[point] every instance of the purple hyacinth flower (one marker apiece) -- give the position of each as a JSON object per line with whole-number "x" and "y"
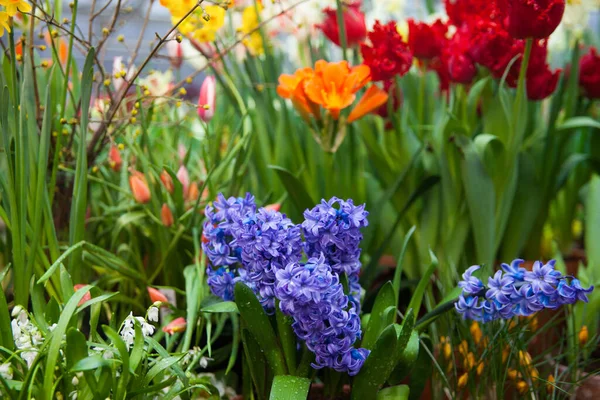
{"x": 580, "y": 292}
{"x": 514, "y": 270}
{"x": 500, "y": 288}
{"x": 471, "y": 284}
{"x": 469, "y": 308}
{"x": 543, "y": 278}
{"x": 525, "y": 301}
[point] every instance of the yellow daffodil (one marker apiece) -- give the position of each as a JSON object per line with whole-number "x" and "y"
{"x": 202, "y": 25}
{"x": 12, "y": 6}
{"x": 250, "y": 23}
{"x": 4, "y": 26}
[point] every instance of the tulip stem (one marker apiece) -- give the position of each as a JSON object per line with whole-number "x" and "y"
{"x": 342, "y": 28}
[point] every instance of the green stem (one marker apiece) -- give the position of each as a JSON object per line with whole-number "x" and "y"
{"x": 421, "y": 101}
{"x": 521, "y": 88}
{"x": 342, "y": 28}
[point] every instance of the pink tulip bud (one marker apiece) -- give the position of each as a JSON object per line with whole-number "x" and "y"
{"x": 184, "y": 178}
{"x": 177, "y": 325}
{"x": 139, "y": 188}
{"x": 156, "y": 295}
{"x": 175, "y": 52}
{"x": 207, "y": 99}
{"x": 274, "y": 207}
{"x": 86, "y": 297}
{"x": 166, "y": 216}
{"x": 182, "y": 151}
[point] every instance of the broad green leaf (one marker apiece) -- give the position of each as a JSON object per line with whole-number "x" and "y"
{"x": 422, "y": 370}
{"x": 287, "y": 337}
{"x": 286, "y": 387}
{"x": 406, "y": 361}
{"x": 404, "y": 331}
{"x": 255, "y": 361}
{"x": 90, "y": 363}
{"x": 222, "y": 307}
{"x": 76, "y": 348}
{"x": 400, "y": 392}
{"x": 235, "y": 343}
{"x": 160, "y": 367}
{"x": 259, "y": 326}
{"x": 579, "y": 122}
{"x": 193, "y": 284}
{"x": 592, "y": 223}
{"x": 386, "y": 297}
{"x": 6, "y": 336}
{"x": 377, "y": 367}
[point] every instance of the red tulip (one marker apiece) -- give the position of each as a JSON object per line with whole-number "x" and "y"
{"x": 86, "y": 297}
{"x": 139, "y": 188}
{"x": 207, "y": 99}
{"x": 534, "y": 18}
{"x": 177, "y": 325}
{"x": 387, "y": 55}
{"x": 589, "y": 74}
{"x": 157, "y": 296}
{"x": 541, "y": 83}
{"x": 354, "y": 24}
{"x": 114, "y": 158}
{"x": 166, "y": 216}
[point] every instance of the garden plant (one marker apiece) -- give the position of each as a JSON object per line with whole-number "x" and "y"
{"x": 299, "y": 199}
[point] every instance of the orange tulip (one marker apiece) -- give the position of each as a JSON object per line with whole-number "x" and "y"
{"x": 156, "y": 295}
{"x": 177, "y": 325}
{"x": 373, "y": 98}
{"x": 274, "y": 207}
{"x": 166, "y": 216}
{"x": 114, "y": 158}
{"x": 86, "y": 297}
{"x": 167, "y": 181}
{"x": 193, "y": 192}
{"x": 292, "y": 87}
{"x": 139, "y": 187}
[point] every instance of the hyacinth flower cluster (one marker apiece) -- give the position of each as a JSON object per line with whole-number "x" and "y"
{"x": 335, "y": 233}
{"x": 263, "y": 249}
{"x": 516, "y": 291}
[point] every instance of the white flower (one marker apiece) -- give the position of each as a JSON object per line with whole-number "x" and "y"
{"x": 26, "y": 335}
{"x": 6, "y": 371}
{"x": 75, "y": 381}
{"x": 128, "y": 330}
{"x": 204, "y": 362}
{"x": 153, "y": 314}
{"x": 16, "y": 311}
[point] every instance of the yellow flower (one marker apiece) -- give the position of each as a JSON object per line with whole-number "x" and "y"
{"x": 250, "y": 23}
{"x": 462, "y": 380}
{"x": 198, "y": 25}
{"x": 4, "y": 23}
{"x": 13, "y": 5}
{"x": 476, "y": 332}
{"x": 583, "y": 335}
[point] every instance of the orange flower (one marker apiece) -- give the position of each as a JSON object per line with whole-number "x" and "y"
{"x": 166, "y": 216}
{"x": 139, "y": 187}
{"x": 332, "y": 86}
{"x": 292, "y": 87}
{"x": 274, "y": 207}
{"x": 177, "y": 325}
{"x": 114, "y": 158}
{"x": 157, "y": 295}
{"x": 167, "y": 181}
{"x": 86, "y": 297}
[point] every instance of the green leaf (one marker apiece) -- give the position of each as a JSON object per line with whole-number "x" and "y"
{"x": 386, "y": 297}
{"x": 260, "y": 327}
{"x": 405, "y": 331}
{"x": 286, "y": 387}
{"x": 76, "y": 348}
{"x": 287, "y": 337}
{"x": 579, "y": 122}
{"x": 481, "y": 200}
{"x": 57, "y": 337}
{"x": 119, "y": 344}
{"x": 235, "y": 344}
{"x": 222, "y": 307}
{"x": 193, "y": 284}
{"x": 80, "y": 187}
{"x": 406, "y": 361}
{"x": 6, "y": 336}
{"x": 592, "y": 222}
{"x": 90, "y": 363}
{"x": 377, "y": 367}
{"x": 422, "y": 371}
{"x": 399, "y": 263}
{"x": 59, "y": 261}
{"x": 295, "y": 188}
{"x": 400, "y": 392}
{"x": 255, "y": 361}
{"x": 161, "y": 366}
{"x": 417, "y": 297}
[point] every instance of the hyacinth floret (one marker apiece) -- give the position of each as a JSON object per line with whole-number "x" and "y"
{"x": 313, "y": 296}
{"x": 515, "y": 291}
{"x": 268, "y": 241}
